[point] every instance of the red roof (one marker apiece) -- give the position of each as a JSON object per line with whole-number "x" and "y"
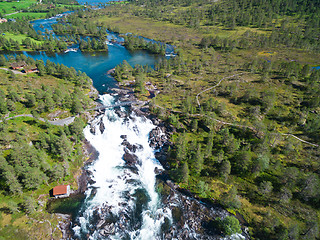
{"x": 58, "y": 190}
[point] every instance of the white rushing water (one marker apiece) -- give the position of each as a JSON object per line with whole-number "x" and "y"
{"x": 117, "y": 186}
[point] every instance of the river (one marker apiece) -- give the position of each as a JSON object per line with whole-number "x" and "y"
{"x": 122, "y": 201}
{"x": 95, "y": 65}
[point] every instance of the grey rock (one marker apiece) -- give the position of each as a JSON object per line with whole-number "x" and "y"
{"x": 101, "y": 126}
{"x": 130, "y": 159}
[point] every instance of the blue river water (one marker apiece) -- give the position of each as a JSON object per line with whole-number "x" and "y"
{"x": 114, "y": 207}
{"x": 95, "y": 65}
{"x": 93, "y": 2}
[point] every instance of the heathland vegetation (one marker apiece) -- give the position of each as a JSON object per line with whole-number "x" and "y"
{"x": 243, "y": 97}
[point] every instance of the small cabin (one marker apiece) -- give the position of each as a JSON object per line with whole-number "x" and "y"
{"x": 18, "y": 65}
{"x": 61, "y": 191}
{"x": 29, "y": 69}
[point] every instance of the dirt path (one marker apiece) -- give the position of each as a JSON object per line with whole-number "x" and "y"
{"x": 243, "y": 126}
{"x": 59, "y": 122}
{"x": 301, "y": 140}
{"x": 12, "y": 13}
{"x": 237, "y": 125}
{"x": 14, "y": 71}
{"x": 197, "y": 97}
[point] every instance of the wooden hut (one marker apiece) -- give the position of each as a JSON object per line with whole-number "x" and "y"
{"x": 28, "y": 69}
{"x": 61, "y": 191}
{"x": 18, "y": 65}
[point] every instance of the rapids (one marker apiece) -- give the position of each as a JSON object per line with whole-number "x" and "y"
{"x": 122, "y": 203}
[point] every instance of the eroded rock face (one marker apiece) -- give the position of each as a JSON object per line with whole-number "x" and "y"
{"x": 129, "y": 149}
{"x": 97, "y": 122}
{"x": 64, "y": 225}
{"x": 161, "y": 156}
{"x": 120, "y": 113}
{"x": 191, "y": 218}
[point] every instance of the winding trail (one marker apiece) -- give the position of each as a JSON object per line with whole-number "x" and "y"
{"x": 236, "y": 125}
{"x": 227, "y": 123}
{"x": 14, "y": 71}
{"x": 59, "y": 122}
{"x": 301, "y": 140}
{"x": 197, "y": 97}
{"x": 242, "y": 126}
{"x": 13, "y": 13}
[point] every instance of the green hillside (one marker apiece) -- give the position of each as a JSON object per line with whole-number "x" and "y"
{"x": 36, "y": 155}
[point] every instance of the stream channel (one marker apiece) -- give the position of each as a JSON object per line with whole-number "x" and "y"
{"x": 121, "y": 201}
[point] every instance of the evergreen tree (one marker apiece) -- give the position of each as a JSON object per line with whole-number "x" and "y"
{"x": 225, "y": 169}
{"x": 229, "y": 225}
{"x": 184, "y": 172}
{"x": 198, "y": 164}
{"x": 230, "y": 199}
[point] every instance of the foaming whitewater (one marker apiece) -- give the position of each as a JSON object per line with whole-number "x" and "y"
{"x": 121, "y": 202}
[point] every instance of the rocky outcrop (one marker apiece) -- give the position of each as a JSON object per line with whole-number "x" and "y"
{"x": 97, "y": 122}
{"x": 130, "y": 158}
{"x": 158, "y": 137}
{"x": 120, "y": 113}
{"x": 101, "y": 126}
{"x": 64, "y": 225}
{"x": 129, "y": 149}
{"x": 191, "y": 218}
{"x": 91, "y": 154}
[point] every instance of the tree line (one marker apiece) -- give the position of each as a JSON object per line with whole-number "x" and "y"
{"x": 134, "y": 42}
{"x": 302, "y": 33}
{"x": 45, "y": 99}
{"x": 76, "y": 24}
{"x": 46, "y": 159}
{"x": 93, "y": 44}
{"x": 20, "y": 27}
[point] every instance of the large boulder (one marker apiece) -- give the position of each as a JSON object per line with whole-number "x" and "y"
{"x": 130, "y": 158}
{"x": 158, "y": 137}
{"x": 101, "y": 126}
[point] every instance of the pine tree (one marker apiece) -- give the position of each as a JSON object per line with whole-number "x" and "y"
{"x": 184, "y": 172}
{"x": 198, "y": 165}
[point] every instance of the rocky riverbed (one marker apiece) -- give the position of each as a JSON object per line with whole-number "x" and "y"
{"x": 191, "y": 217}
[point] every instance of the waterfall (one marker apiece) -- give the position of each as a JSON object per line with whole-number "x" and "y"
{"x": 121, "y": 201}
